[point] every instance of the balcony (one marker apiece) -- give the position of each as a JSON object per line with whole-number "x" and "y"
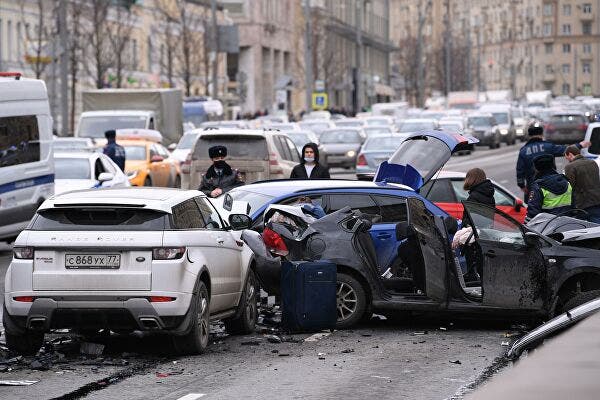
{"x": 549, "y": 77}
{"x": 586, "y": 16}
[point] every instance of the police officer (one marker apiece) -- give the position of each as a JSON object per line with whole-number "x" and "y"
{"x": 220, "y": 177}
{"x": 113, "y": 150}
{"x": 551, "y": 192}
{"x": 535, "y": 147}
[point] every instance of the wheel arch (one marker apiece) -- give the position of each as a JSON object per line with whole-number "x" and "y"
{"x": 568, "y": 284}
{"x": 361, "y": 279}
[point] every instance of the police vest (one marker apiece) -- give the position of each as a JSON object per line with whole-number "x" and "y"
{"x": 552, "y": 200}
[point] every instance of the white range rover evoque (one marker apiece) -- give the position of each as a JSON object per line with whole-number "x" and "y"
{"x": 129, "y": 259}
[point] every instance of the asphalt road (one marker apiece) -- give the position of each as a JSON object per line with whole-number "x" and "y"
{"x": 416, "y": 358}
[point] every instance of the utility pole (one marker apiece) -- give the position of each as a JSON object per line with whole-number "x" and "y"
{"x": 215, "y": 46}
{"x": 359, "y": 50}
{"x": 308, "y": 67}
{"x": 448, "y": 49}
{"x": 467, "y": 29}
{"x": 422, "y": 17}
{"x": 64, "y": 67}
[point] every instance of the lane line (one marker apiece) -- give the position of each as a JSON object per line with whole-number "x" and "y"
{"x": 192, "y": 396}
{"x": 317, "y": 336}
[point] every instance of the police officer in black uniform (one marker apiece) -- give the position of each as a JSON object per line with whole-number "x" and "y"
{"x": 113, "y": 150}
{"x": 535, "y": 147}
{"x": 220, "y": 177}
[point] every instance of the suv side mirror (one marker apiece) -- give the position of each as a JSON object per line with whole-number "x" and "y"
{"x": 402, "y": 230}
{"x": 240, "y": 222}
{"x": 105, "y": 176}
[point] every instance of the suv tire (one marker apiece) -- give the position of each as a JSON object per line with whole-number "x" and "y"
{"x": 580, "y": 299}
{"x": 196, "y": 340}
{"x": 351, "y": 301}
{"x": 24, "y": 342}
{"x": 245, "y": 322}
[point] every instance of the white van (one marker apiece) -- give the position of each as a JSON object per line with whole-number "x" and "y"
{"x": 26, "y": 163}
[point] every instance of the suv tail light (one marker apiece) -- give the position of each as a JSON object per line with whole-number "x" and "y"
{"x": 274, "y": 242}
{"x": 274, "y": 167}
{"x": 361, "y": 161}
{"x": 549, "y": 128}
{"x": 187, "y": 164}
{"x": 167, "y": 253}
{"x": 23, "y": 253}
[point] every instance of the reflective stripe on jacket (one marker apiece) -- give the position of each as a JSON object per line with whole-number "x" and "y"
{"x": 551, "y": 200}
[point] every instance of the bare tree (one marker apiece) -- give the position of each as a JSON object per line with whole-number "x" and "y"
{"x": 100, "y": 57}
{"x": 190, "y": 59}
{"x": 37, "y": 38}
{"x": 76, "y": 55}
{"x": 118, "y": 38}
{"x": 406, "y": 59}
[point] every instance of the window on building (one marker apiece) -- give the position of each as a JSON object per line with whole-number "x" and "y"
{"x": 587, "y": 8}
{"x": 586, "y": 67}
{"x": 548, "y": 48}
{"x": 235, "y": 7}
{"x": 9, "y": 41}
{"x": 587, "y": 89}
{"x": 549, "y": 68}
{"x": 547, "y": 29}
{"x": 566, "y": 9}
{"x": 566, "y": 68}
{"x": 566, "y": 29}
{"x": 566, "y": 88}
{"x": 548, "y": 9}
{"x": 586, "y": 28}
{"x": 566, "y": 47}
{"x": 587, "y": 48}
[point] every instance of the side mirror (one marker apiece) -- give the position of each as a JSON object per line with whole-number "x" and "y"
{"x": 518, "y": 205}
{"x": 106, "y": 176}
{"x": 402, "y": 230}
{"x": 239, "y": 222}
{"x": 531, "y": 239}
{"x": 172, "y": 146}
{"x": 156, "y": 158}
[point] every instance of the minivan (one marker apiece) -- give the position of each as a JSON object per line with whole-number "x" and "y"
{"x": 26, "y": 163}
{"x": 257, "y": 154}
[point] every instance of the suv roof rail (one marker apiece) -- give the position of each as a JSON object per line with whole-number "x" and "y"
{"x": 271, "y": 130}
{"x": 16, "y": 75}
{"x": 211, "y": 128}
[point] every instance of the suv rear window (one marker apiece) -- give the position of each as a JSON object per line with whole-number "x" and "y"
{"x": 104, "y": 219}
{"x": 568, "y": 118}
{"x": 245, "y": 147}
{"x": 19, "y": 140}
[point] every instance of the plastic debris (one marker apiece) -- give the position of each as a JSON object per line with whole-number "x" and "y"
{"x": 347, "y": 351}
{"x": 505, "y": 343}
{"x": 91, "y": 349}
{"x": 442, "y": 328}
{"x": 322, "y": 356}
{"x": 456, "y": 362}
{"x": 273, "y": 339}
{"x": 17, "y": 383}
{"x": 419, "y": 333}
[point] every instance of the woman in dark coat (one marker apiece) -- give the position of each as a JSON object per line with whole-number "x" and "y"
{"x": 481, "y": 189}
{"x": 309, "y": 167}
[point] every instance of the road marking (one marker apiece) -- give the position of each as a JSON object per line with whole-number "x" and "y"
{"x": 317, "y": 336}
{"x": 192, "y": 396}
{"x": 380, "y": 377}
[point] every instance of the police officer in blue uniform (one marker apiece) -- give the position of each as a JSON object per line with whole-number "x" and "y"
{"x": 535, "y": 147}
{"x": 113, "y": 150}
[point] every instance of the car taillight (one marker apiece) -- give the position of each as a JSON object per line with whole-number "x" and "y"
{"x": 273, "y": 159}
{"x": 274, "y": 167}
{"x": 167, "y": 253}
{"x": 549, "y": 128}
{"x": 583, "y": 127}
{"x": 23, "y": 253}
{"x": 274, "y": 242}
{"x": 24, "y": 299}
{"x": 361, "y": 161}
{"x": 187, "y": 164}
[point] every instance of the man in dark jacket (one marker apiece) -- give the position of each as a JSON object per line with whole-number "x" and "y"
{"x": 113, "y": 150}
{"x": 551, "y": 192}
{"x": 535, "y": 147}
{"x": 584, "y": 176}
{"x": 309, "y": 167}
{"x": 219, "y": 178}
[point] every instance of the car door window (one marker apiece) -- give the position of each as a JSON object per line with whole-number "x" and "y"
{"x": 438, "y": 191}
{"x": 282, "y": 148}
{"x": 459, "y": 191}
{"x": 361, "y": 202}
{"x": 502, "y": 198}
{"x": 493, "y": 225}
{"x": 211, "y": 217}
{"x": 186, "y": 215}
{"x": 393, "y": 209}
{"x": 293, "y": 150}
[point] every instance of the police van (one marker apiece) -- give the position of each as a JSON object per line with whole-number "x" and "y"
{"x": 26, "y": 163}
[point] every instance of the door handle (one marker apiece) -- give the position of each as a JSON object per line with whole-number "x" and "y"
{"x": 490, "y": 253}
{"x": 384, "y": 235}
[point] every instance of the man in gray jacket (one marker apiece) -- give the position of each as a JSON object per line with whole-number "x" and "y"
{"x": 584, "y": 176}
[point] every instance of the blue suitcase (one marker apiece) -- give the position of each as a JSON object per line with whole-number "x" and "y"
{"x": 308, "y": 295}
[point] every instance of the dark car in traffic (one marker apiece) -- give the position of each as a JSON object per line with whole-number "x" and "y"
{"x": 566, "y": 127}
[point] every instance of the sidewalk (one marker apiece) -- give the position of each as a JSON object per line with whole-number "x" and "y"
{"x": 565, "y": 367}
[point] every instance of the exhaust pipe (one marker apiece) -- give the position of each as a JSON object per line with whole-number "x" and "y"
{"x": 37, "y": 323}
{"x": 149, "y": 323}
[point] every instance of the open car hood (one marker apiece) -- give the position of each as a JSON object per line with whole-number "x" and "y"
{"x": 421, "y": 156}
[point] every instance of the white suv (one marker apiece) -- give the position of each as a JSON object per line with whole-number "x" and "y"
{"x": 129, "y": 259}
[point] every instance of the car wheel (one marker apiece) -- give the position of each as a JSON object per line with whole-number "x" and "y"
{"x": 246, "y": 321}
{"x": 196, "y": 340}
{"x": 147, "y": 181}
{"x": 351, "y": 301}
{"x": 580, "y": 298}
{"x": 177, "y": 182}
{"x": 24, "y": 342}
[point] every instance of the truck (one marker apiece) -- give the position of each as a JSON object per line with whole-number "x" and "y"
{"x": 105, "y": 109}
{"x": 499, "y": 96}
{"x": 463, "y": 100}
{"x": 538, "y": 99}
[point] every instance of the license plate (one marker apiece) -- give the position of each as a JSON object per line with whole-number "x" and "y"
{"x": 92, "y": 261}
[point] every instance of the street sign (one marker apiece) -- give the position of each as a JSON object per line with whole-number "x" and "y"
{"x": 319, "y": 85}
{"x": 319, "y": 101}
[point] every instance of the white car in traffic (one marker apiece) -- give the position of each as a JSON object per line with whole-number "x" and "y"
{"x": 144, "y": 259}
{"x": 86, "y": 170}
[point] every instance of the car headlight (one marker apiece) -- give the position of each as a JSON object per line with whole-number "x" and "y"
{"x": 351, "y": 153}
{"x": 520, "y": 131}
{"x": 132, "y": 174}
{"x": 504, "y": 131}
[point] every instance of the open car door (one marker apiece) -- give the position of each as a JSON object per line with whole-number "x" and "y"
{"x": 513, "y": 272}
{"x": 431, "y": 258}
